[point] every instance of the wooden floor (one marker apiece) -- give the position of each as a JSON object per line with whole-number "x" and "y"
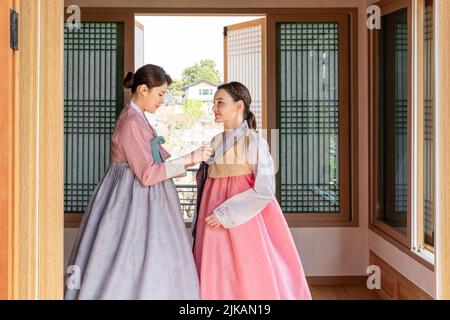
{"x": 352, "y": 292}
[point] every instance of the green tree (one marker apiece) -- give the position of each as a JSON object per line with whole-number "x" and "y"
{"x": 193, "y": 109}
{"x": 176, "y": 88}
{"x": 206, "y": 69}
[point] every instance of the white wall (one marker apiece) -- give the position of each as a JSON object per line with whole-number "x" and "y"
{"x": 329, "y": 252}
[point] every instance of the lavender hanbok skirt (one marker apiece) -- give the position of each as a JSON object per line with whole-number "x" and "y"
{"x": 132, "y": 243}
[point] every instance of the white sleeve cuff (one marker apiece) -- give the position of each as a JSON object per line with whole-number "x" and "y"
{"x": 223, "y": 216}
{"x": 175, "y": 168}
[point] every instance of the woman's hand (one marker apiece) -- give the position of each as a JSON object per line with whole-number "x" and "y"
{"x": 212, "y": 221}
{"x": 197, "y": 156}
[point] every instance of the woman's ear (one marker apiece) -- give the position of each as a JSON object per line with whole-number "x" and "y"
{"x": 143, "y": 89}
{"x": 240, "y": 105}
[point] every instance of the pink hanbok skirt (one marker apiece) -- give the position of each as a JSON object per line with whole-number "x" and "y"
{"x": 257, "y": 260}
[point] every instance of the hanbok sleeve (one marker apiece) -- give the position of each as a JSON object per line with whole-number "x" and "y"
{"x": 137, "y": 150}
{"x": 245, "y": 205}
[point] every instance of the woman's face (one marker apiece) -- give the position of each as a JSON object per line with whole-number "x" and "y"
{"x": 225, "y": 109}
{"x": 152, "y": 98}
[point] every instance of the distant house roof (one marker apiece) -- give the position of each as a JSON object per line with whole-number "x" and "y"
{"x": 200, "y": 81}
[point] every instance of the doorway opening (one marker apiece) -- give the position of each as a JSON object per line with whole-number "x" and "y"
{"x": 199, "y": 52}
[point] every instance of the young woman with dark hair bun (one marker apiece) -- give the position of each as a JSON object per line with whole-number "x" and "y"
{"x": 132, "y": 242}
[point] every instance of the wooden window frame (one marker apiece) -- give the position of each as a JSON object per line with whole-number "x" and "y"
{"x": 403, "y": 243}
{"x": 420, "y": 242}
{"x": 348, "y": 94}
{"x": 389, "y": 6}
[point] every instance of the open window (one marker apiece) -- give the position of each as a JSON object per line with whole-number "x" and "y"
{"x": 245, "y": 61}
{"x": 390, "y": 49}
{"x": 403, "y": 125}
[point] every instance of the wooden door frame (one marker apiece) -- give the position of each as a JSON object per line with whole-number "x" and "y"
{"x": 6, "y": 152}
{"x": 32, "y": 154}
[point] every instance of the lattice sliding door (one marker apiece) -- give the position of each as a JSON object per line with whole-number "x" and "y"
{"x": 244, "y": 46}
{"x": 313, "y": 115}
{"x": 93, "y": 97}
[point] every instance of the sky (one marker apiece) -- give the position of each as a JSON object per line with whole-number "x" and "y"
{"x": 177, "y": 42}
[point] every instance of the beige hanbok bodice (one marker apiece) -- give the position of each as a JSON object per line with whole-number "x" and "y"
{"x": 233, "y": 162}
{"x": 248, "y": 155}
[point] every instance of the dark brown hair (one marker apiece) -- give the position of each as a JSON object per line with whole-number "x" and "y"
{"x": 149, "y": 74}
{"x": 240, "y": 92}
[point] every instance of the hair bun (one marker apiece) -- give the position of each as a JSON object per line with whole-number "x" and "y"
{"x": 129, "y": 79}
